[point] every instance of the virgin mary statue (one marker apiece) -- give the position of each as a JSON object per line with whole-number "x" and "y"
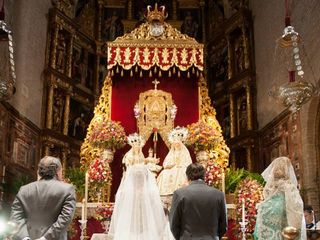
{"x": 138, "y": 212}
{"x": 173, "y": 175}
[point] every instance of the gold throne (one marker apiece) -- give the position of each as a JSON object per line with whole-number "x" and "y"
{"x": 156, "y": 113}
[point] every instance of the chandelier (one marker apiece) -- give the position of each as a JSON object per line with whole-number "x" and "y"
{"x": 7, "y": 66}
{"x": 296, "y": 92}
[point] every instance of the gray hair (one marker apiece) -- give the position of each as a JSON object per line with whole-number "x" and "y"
{"x": 48, "y": 166}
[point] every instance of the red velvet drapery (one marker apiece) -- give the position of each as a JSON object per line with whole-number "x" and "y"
{"x": 125, "y": 93}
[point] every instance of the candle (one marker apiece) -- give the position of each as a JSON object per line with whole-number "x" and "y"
{"x": 243, "y": 212}
{"x": 86, "y": 186}
{"x": 3, "y": 173}
{"x": 82, "y": 209}
{"x": 223, "y": 187}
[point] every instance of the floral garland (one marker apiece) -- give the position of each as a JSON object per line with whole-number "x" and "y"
{"x": 99, "y": 171}
{"x": 251, "y": 191}
{"x": 104, "y": 212}
{"x": 202, "y": 136}
{"x": 107, "y": 134}
{"x": 213, "y": 174}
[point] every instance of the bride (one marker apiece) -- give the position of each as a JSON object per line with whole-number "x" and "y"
{"x": 138, "y": 213}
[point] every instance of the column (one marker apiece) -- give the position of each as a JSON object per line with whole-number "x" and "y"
{"x": 230, "y": 58}
{"x": 174, "y": 10}
{"x": 245, "y": 46}
{"x": 130, "y": 10}
{"x": 54, "y": 44}
{"x": 249, "y": 106}
{"x": 66, "y": 112}
{"x": 202, "y": 4}
{"x": 232, "y": 116}
{"x": 249, "y": 158}
{"x": 100, "y": 17}
{"x": 69, "y": 56}
{"x": 51, "y": 86}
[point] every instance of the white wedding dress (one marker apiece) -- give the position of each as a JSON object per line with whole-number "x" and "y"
{"x": 138, "y": 212}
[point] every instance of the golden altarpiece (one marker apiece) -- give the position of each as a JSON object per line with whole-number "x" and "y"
{"x": 76, "y": 61}
{"x": 154, "y": 50}
{"x": 231, "y": 78}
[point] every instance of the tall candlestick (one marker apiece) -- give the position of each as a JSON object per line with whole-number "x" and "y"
{"x": 223, "y": 183}
{"x": 82, "y": 210}
{"x": 86, "y": 187}
{"x": 243, "y": 212}
{"x": 3, "y": 173}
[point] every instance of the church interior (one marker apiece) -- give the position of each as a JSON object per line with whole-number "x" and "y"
{"x": 247, "y": 70}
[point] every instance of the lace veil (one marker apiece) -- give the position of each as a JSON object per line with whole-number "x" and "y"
{"x": 280, "y": 177}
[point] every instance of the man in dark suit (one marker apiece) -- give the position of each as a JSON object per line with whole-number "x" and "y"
{"x": 44, "y": 209}
{"x": 198, "y": 212}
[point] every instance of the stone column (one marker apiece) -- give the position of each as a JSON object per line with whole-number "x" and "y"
{"x": 245, "y": 46}
{"x": 69, "y": 56}
{"x": 249, "y": 158}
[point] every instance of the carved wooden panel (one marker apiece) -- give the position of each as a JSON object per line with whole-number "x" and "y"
{"x": 282, "y": 137}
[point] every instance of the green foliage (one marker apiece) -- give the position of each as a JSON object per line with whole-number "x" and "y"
{"x": 76, "y": 176}
{"x": 234, "y": 176}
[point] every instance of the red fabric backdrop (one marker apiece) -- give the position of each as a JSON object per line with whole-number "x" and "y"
{"x": 125, "y": 93}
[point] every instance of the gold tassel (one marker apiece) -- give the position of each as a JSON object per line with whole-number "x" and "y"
{"x": 198, "y": 74}
{"x": 188, "y": 74}
{"x": 131, "y": 73}
{"x": 122, "y": 73}
{"x": 141, "y": 73}
{"x": 136, "y": 68}
{"x": 169, "y": 74}
{"x": 150, "y": 73}
{"x": 192, "y": 70}
{"x": 155, "y": 70}
{"x": 179, "y": 74}
{"x": 160, "y": 74}
{"x": 112, "y": 73}
{"x": 117, "y": 69}
{"x": 174, "y": 70}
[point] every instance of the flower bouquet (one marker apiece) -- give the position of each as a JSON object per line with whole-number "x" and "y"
{"x": 104, "y": 212}
{"x": 107, "y": 134}
{"x": 99, "y": 171}
{"x": 202, "y": 136}
{"x": 251, "y": 191}
{"x": 213, "y": 175}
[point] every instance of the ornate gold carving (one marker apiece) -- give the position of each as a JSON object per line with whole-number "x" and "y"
{"x": 156, "y": 15}
{"x": 208, "y": 114}
{"x": 155, "y": 108}
{"x": 65, "y": 6}
{"x": 87, "y": 19}
{"x": 101, "y": 111}
{"x": 141, "y": 37}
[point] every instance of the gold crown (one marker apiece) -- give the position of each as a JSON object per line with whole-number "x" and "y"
{"x": 156, "y": 14}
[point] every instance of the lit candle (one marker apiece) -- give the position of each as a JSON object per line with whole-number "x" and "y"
{"x": 82, "y": 209}
{"x": 243, "y": 212}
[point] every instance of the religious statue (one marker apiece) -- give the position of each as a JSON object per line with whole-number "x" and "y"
{"x": 61, "y": 53}
{"x": 57, "y": 110}
{"x": 173, "y": 176}
{"x": 190, "y": 26}
{"x": 79, "y": 127}
{"x": 152, "y": 162}
{"x": 113, "y": 27}
{"x": 239, "y": 55}
{"x": 134, "y": 156}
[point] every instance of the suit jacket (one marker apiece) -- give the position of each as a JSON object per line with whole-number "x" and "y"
{"x": 44, "y": 208}
{"x": 198, "y": 212}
